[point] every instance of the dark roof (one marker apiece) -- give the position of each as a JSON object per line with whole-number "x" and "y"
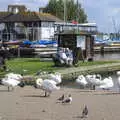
{"x": 27, "y": 17}
{"x": 3, "y": 15}
{"x": 22, "y": 17}
{"x": 48, "y": 17}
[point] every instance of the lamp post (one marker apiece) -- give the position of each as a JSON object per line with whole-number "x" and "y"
{"x": 77, "y": 15}
{"x": 65, "y": 11}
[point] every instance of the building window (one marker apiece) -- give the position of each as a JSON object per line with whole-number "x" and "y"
{"x": 47, "y": 24}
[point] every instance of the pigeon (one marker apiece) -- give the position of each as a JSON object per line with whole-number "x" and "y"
{"x": 68, "y": 100}
{"x": 85, "y": 112}
{"x": 61, "y": 98}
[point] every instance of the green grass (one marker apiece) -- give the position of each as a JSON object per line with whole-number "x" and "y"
{"x": 33, "y": 65}
{"x": 29, "y": 65}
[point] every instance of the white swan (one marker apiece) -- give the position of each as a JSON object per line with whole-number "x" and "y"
{"x": 10, "y": 83}
{"x": 94, "y": 80}
{"x": 107, "y": 83}
{"x": 47, "y": 85}
{"x": 97, "y": 80}
{"x": 38, "y": 83}
{"x": 12, "y": 80}
{"x": 81, "y": 80}
{"x": 118, "y": 74}
{"x": 56, "y": 77}
{"x": 89, "y": 78}
{"x": 14, "y": 76}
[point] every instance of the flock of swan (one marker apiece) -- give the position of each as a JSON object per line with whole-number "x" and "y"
{"x": 53, "y": 80}
{"x": 11, "y": 80}
{"x": 95, "y": 80}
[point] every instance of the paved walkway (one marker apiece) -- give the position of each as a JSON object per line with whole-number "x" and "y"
{"x": 83, "y": 69}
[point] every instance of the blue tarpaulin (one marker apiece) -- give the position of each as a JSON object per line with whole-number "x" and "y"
{"x": 41, "y": 42}
{"x": 27, "y": 42}
{"x": 46, "y": 42}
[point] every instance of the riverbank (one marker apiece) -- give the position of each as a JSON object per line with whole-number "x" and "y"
{"x": 69, "y": 74}
{"x": 32, "y": 67}
{"x": 73, "y": 72}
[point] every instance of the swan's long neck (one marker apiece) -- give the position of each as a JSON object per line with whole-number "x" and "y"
{"x": 70, "y": 99}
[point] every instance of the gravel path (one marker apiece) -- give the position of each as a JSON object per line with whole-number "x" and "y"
{"x": 28, "y": 104}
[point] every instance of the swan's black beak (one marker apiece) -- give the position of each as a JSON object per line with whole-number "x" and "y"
{"x": 35, "y": 86}
{"x": 21, "y": 84}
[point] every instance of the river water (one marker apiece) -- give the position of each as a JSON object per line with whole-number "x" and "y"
{"x": 107, "y": 56}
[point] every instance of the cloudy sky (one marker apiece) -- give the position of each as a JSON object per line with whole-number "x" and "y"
{"x": 104, "y": 12}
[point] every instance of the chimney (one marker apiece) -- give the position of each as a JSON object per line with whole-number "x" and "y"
{"x": 16, "y": 8}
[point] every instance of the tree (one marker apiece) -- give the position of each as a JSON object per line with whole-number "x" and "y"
{"x": 74, "y": 11}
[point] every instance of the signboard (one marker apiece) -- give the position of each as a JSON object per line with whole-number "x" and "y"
{"x": 81, "y": 42}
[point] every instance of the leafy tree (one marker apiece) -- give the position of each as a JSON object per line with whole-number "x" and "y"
{"x": 74, "y": 11}
{"x": 51, "y": 7}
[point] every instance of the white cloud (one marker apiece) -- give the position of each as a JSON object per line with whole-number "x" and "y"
{"x": 102, "y": 12}
{"x": 116, "y": 11}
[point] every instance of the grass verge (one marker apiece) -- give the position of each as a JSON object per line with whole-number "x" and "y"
{"x": 30, "y": 66}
